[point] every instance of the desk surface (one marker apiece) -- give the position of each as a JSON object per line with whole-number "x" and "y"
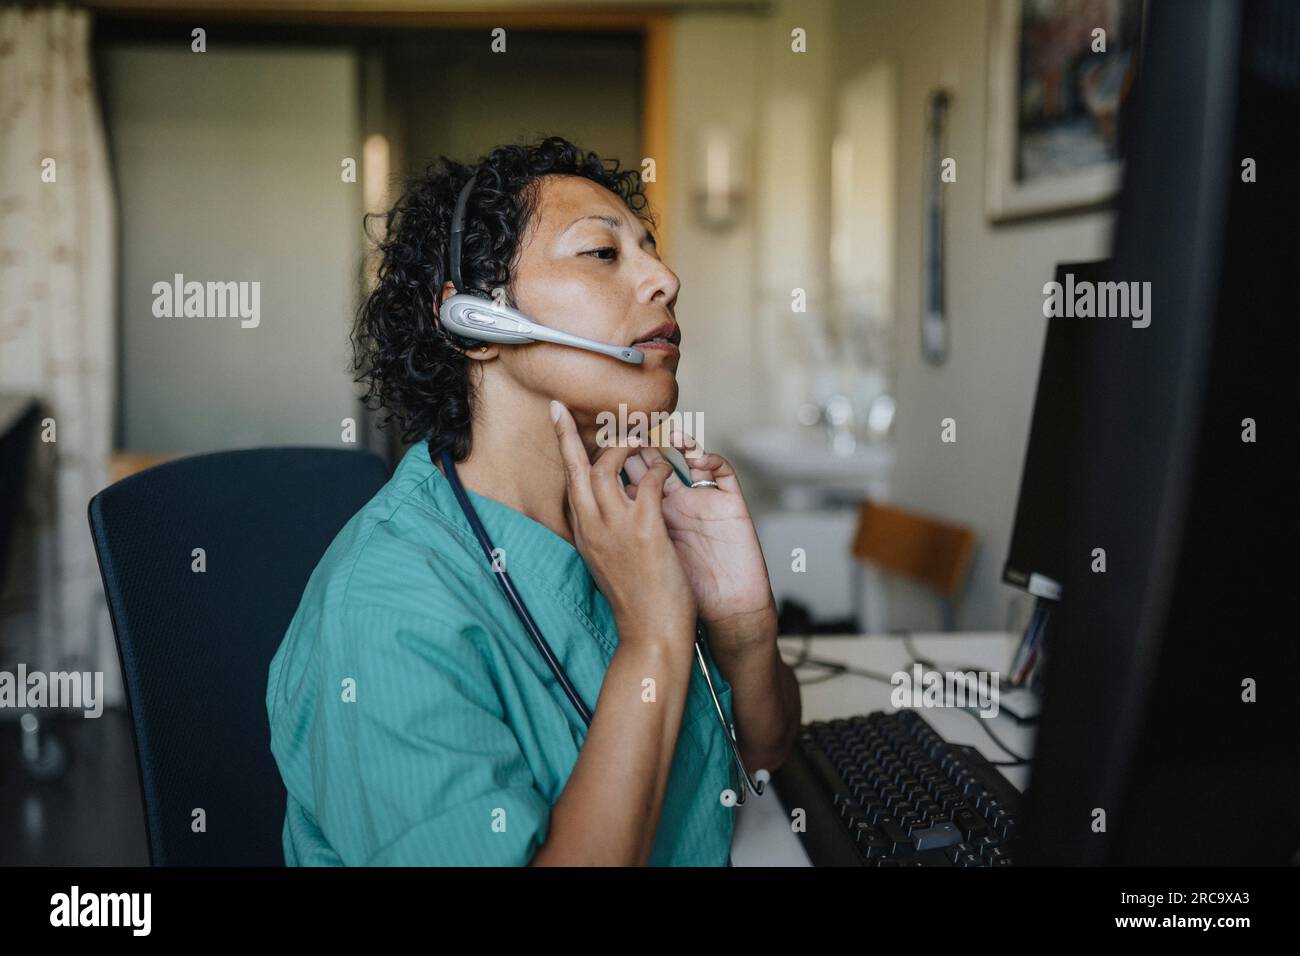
{"x": 763, "y": 836}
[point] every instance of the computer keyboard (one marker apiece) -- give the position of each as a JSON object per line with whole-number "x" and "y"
{"x": 886, "y": 789}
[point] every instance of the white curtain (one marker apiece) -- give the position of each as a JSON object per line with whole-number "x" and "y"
{"x": 57, "y": 338}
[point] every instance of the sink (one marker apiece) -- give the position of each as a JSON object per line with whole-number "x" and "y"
{"x": 808, "y": 472}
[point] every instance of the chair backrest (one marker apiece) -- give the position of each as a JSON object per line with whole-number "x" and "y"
{"x": 196, "y": 631}
{"x": 925, "y": 549}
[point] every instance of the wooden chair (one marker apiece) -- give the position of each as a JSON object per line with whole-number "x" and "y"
{"x": 124, "y": 464}
{"x": 931, "y": 552}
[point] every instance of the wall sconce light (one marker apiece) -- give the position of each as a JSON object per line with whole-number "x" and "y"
{"x": 720, "y": 176}
{"x": 375, "y": 170}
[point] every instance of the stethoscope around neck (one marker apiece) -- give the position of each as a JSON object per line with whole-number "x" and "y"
{"x": 756, "y": 784}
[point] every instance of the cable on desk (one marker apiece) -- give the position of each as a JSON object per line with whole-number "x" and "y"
{"x": 836, "y": 669}
{"x": 799, "y": 661}
{"x": 803, "y": 661}
{"x": 909, "y": 645}
{"x": 1019, "y": 760}
{"x": 918, "y": 658}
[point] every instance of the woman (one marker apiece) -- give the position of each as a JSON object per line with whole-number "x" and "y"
{"x": 412, "y": 718}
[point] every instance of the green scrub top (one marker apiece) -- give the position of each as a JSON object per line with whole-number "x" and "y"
{"x": 415, "y": 723}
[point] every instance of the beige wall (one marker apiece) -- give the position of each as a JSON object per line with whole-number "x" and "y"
{"x": 714, "y": 71}
{"x": 739, "y": 70}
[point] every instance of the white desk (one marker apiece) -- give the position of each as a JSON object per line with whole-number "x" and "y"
{"x": 763, "y": 836}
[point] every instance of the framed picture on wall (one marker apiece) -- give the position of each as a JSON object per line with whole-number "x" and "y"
{"x": 1059, "y": 74}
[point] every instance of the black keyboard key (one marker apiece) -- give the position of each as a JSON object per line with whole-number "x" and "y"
{"x": 964, "y": 847}
{"x": 891, "y": 831}
{"x": 971, "y": 824}
{"x": 862, "y": 792}
{"x": 951, "y": 802}
{"x": 932, "y": 810}
{"x": 891, "y": 798}
{"x": 870, "y": 843}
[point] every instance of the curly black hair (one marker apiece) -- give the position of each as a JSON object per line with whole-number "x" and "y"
{"x": 413, "y": 368}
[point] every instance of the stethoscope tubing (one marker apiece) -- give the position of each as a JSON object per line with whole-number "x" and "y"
{"x": 544, "y": 648}
{"x": 508, "y": 586}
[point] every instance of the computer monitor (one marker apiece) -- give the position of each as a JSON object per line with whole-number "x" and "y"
{"x": 1036, "y": 559}
{"x": 1169, "y": 731}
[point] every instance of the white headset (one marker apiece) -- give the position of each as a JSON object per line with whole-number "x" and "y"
{"x": 472, "y": 316}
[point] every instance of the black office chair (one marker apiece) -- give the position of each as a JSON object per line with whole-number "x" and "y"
{"x": 195, "y": 646}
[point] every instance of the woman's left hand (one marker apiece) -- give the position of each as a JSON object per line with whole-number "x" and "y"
{"x": 715, "y": 539}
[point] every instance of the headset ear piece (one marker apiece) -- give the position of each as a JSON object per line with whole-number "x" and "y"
{"x": 455, "y": 341}
{"x": 451, "y": 338}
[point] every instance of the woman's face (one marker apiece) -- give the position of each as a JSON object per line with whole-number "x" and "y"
{"x": 587, "y": 265}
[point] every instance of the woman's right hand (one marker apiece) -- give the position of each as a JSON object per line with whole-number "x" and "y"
{"x": 623, "y": 541}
